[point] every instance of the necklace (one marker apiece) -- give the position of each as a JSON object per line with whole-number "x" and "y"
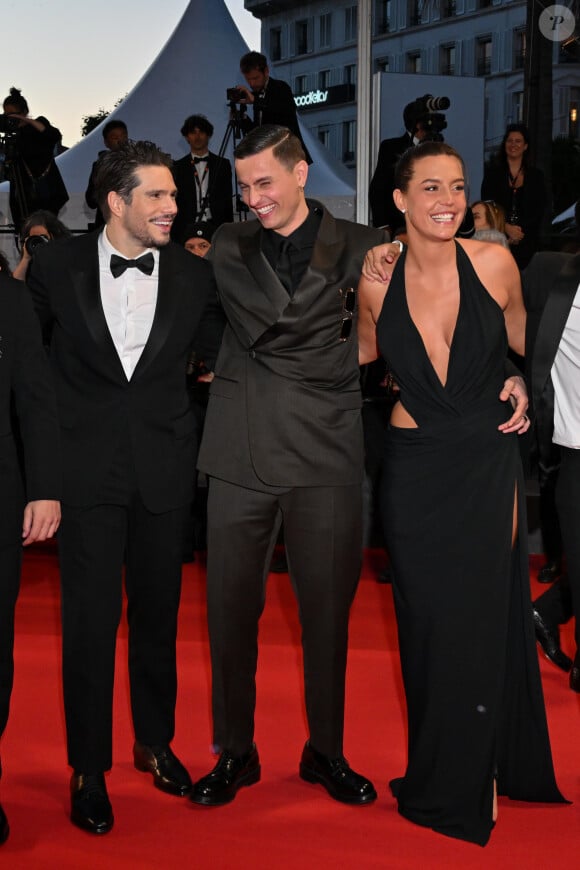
{"x": 513, "y": 178}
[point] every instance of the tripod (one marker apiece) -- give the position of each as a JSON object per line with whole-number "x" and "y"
{"x": 13, "y": 174}
{"x": 233, "y": 131}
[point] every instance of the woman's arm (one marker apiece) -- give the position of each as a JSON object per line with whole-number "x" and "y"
{"x": 371, "y": 295}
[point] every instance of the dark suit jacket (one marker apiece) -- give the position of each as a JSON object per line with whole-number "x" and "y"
{"x": 220, "y": 192}
{"x": 90, "y": 196}
{"x": 276, "y": 106}
{"x": 285, "y": 403}
{"x": 383, "y": 210}
{"x": 96, "y": 402}
{"x": 25, "y": 386}
{"x": 549, "y": 285}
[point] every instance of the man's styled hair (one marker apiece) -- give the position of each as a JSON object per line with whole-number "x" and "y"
{"x": 253, "y": 60}
{"x": 115, "y": 124}
{"x": 117, "y": 170}
{"x": 287, "y": 148}
{"x": 199, "y": 121}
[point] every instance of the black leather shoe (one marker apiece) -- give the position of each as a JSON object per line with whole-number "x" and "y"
{"x": 90, "y": 806}
{"x": 549, "y": 639}
{"x": 341, "y": 783}
{"x": 221, "y": 785}
{"x": 4, "y": 826}
{"x": 549, "y": 572}
{"x": 169, "y": 774}
{"x": 575, "y": 674}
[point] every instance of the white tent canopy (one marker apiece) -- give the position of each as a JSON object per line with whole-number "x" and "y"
{"x": 190, "y": 76}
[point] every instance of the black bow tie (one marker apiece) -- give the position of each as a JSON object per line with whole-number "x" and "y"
{"x": 200, "y": 159}
{"x": 145, "y": 264}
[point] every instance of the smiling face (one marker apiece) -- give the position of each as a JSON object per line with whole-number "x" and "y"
{"x": 434, "y": 201}
{"x": 480, "y": 221}
{"x": 273, "y": 192}
{"x": 145, "y": 220}
{"x": 515, "y": 146}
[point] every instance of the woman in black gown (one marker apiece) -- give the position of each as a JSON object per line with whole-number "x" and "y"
{"x": 453, "y": 501}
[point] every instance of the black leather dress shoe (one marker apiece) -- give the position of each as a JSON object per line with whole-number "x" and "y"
{"x": 549, "y": 639}
{"x": 221, "y": 785}
{"x": 549, "y": 572}
{"x": 4, "y": 826}
{"x": 169, "y": 774}
{"x": 341, "y": 783}
{"x": 575, "y": 674}
{"x": 90, "y": 806}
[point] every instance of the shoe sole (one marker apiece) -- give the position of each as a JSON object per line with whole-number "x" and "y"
{"x": 82, "y": 824}
{"x": 309, "y": 775}
{"x": 250, "y": 778}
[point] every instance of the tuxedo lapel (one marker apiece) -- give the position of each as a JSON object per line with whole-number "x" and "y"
{"x": 270, "y": 297}
{"x": 172, "y": 283}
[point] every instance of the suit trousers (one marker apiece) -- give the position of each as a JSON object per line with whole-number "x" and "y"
{"x": 568, "y": 505}
{"x": 94, "y": 542}
{"x": 323, "y": 537}
{"x": 10, "y": 559}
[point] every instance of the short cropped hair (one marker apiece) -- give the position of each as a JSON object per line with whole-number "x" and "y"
{"x": 117, "y": 170}
{"x": 197, "y": 121}
{"x": 287, "y": 147}
{"x": 115, "y": 124}
{"x": 253, "y": 60}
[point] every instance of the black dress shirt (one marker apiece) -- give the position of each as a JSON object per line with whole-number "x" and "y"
{"x": 299, "y": 248}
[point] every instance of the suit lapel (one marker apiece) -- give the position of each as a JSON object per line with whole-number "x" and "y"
{"x": 172, "y": 284}
{"x": 271, "y": 298}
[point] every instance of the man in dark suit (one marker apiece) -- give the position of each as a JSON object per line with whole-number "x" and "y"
{"x": 551, "y": 286}
{"x": 283, "y": 444}
{"x": 203, "y": 180}
{"x": 271, "y": 99}
{"x": 29, "y": 509}
{"x": 121, "y": 309}
{"x": 383, "y": 209}
{"x": 115, "y": 133}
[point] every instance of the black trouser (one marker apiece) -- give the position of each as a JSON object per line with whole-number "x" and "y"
{"x": 10, "y": 559}
{"x": 568, "y": 505}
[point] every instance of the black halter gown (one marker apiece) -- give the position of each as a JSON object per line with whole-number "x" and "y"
{"x": 474, "y": 698}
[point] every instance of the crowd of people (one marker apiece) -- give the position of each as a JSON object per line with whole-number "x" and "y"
{"x": 282, "y": 311}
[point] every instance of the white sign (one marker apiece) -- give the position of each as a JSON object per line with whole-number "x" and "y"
{"x": 312, "y": 98}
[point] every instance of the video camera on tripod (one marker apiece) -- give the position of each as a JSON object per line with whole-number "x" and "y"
{"x": 428, "y": 112}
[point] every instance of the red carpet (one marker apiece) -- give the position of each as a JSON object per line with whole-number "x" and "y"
{"x": 281, "y": 822}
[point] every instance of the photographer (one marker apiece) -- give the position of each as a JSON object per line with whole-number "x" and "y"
{"x": 35, "y": 180}
{"x": 38, "y": 229}
{"x": 272, "y": 99}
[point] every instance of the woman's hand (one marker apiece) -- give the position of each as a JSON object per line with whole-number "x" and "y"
{"x": 379, "y": 261}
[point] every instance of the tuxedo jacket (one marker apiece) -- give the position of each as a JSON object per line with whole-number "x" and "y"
{"x": 285, "y": 404}
{"x": 26, "y": 389}
{"x": 97, "y": 406}
{"x": 220, "y": 192}
{"x": 383, "y": 210}
{"x": 549, "y": 286}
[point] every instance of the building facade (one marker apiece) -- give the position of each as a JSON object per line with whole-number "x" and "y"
{"x": 313, "y": 46}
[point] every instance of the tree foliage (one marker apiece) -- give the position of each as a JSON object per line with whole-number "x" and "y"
{"x": 92, "y": 121}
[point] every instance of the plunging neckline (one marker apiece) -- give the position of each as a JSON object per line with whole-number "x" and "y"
{"x": 442, "y": 384}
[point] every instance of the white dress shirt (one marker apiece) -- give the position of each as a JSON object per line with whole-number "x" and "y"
{"x": 129, "y": 304}
{"x": 566, "y": 381}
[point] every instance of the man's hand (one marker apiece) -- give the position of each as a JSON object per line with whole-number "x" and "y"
{"x": 248, "y": 95}
{"x": 379, "y": 261}
{"x": 41, "y": 520}
{"x": 515, "y": 390}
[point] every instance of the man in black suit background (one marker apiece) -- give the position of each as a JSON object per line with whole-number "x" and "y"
{"x": 551, "y": 285}
{"x": 271, "y": 99}
{"x": 121, "y": 309}
{"x": 283, "y": 444}
{"x": 203, "y": 180}
{"x": 115, "y": 133}
{"x": 29, "y": 508}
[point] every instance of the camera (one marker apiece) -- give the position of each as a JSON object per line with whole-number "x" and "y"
{"x": 426, "y": 110}
{"x": 234, "y": 95}
{"x": 33, "y": 242}
{"x": 8, "y": 124}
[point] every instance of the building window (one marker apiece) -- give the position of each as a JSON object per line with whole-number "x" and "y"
{"x": 349, "y": 75}
{"x": 414, "y": 12}
{"x": 413, "y": 62}
{"x": 382, "y": 64}
{"x": 483, "y": 56}
{"x": 382, "y": 16}
{"x": 324, "y": 30}
{"x": 448, "y": 60}
{"x": 349, "y": 141}
{"x": 323, "y": 134}
{"x": 300, "y": 84}
{"x": 324, "y": 79}
{"x": 301, "y": 45}
{"x": 276, "y": 43}
{"x": 518, "y": 107}
{"x": 350, "y": 24}
{"x": 484, "y": 4}
{"x": 448, "y": 9}
{"x": 519, "y": 48}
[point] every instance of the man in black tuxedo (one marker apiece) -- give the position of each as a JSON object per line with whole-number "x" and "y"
{"x": 271, "y": 99}
{"x": 551, "y": 285}
{"x": 29, "y": 508}
{"x": 383, "y": 209}
{"x": 283, "y": 444}
{"x": 121, "y": 309}
{"x": 115, "y": 133}
{"x": 203, "y": 180}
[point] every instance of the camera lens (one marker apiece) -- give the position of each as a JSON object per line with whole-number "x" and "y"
{"x": 32, "y": 243}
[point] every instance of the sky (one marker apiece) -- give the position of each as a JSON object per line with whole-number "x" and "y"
{"x": 68, "y": 63}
